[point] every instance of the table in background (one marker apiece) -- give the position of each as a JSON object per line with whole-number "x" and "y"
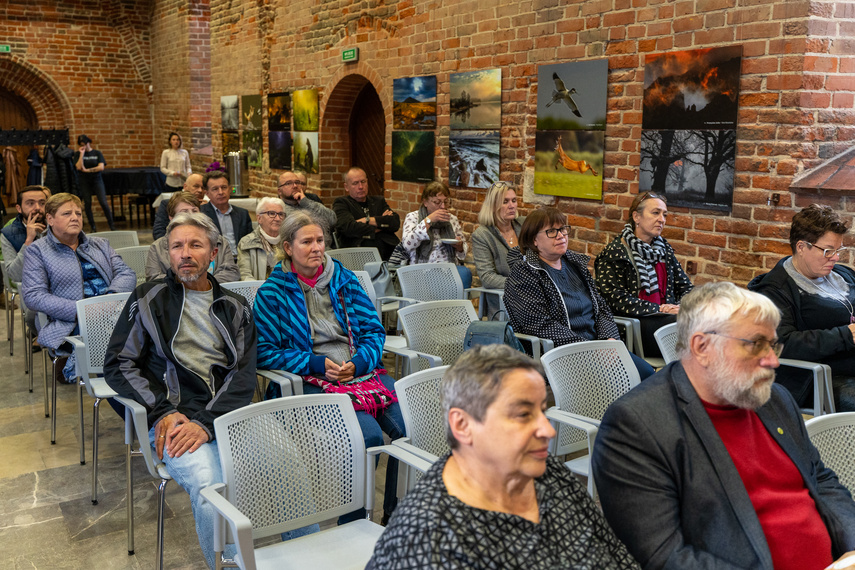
{"x": 145, "y": 181}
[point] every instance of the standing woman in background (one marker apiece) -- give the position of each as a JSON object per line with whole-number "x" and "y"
{"x": 90, "y": 163}
{"x": 175, "y": 164}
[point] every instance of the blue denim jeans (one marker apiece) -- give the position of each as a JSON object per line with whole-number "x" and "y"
{"x": 465, "y": 276}
{"x": 643, "y": 367}
{"x": 195, "y": 471}
{"x": 391, "y": 421}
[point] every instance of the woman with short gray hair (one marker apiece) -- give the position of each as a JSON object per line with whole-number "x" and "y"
{"x": 259, "y": 251}
{"x": 498, "y": 499}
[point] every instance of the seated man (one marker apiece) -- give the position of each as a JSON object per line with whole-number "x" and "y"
{"x": 292, "y": 192}
{"x": 158, "y": 262}
{"x": 363, "y": 220}
{"x": 232, "y": 221}
{"x": 707, "y": 464}
{"x": 192, "y": 184}
{"x": 498, "y": 500}
{"x": 185, "y": 348}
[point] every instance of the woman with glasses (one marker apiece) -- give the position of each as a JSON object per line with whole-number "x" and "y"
{"x": 816, "y": 296}
{"x": 550, "y": 292}
{"x": 259, "y": 251}
{"x": 497, "y": 234}
{"x": 223, "y": 268}
{"x": 432, "y": 234}
{"x": 638, "y": 274}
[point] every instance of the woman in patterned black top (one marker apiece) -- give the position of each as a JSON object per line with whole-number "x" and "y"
{"x": 638, "y": 274}
{"x": 498, "y": 500}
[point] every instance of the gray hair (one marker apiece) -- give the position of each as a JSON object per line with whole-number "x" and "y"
{"x": 197, "y": 219}
{"x": 353, "y": 169}
{"x": 473, "y": 383}
{"x": 712, "y": 307}
{"x": 263, "y": 203}
{"x": 293, "y": 223}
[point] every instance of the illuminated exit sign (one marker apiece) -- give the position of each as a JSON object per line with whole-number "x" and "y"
{"x": 5, "y": 48}
{"x": 350, "y": 55}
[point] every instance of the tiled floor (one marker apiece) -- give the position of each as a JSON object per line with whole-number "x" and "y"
{"x": 47, "y": 519}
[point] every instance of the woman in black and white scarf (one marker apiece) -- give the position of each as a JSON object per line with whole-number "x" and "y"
{"x": 638, "y": 274}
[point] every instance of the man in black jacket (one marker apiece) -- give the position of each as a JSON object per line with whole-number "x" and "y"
{"x": 185, "y": 349}
{"x": 232, "y": 221}
{"x": 363, "y": 220}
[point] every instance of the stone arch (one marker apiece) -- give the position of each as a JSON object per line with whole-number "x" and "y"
{"x": 336, "y": 106}
{"x": 46, "y": 97}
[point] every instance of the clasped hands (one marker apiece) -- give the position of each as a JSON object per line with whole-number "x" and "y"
{"x": 339, "y": 372}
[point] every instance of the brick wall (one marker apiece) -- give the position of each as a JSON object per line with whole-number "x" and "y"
{"x": 797, "y": 88}
{"x": 85, "y": 65}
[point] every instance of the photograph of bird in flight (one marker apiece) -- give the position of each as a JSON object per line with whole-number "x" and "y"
{"x": 572, "y": 96}
{"x": 562, "y": 94}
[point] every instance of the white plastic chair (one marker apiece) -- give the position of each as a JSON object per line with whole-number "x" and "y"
{"x": 119, "y": 239}
{"x": 135, "y": 257}
{"x": 823, "y": 392}
{"x": 834, "y": 436}
{"x": 586, "y": 377}
{"x": 10, "y": 292}
{"x": 431, "y": 282}
{"x": 355, "y": 258}
{"x": 97, "y": 317}
{"x": 288, "y": 463}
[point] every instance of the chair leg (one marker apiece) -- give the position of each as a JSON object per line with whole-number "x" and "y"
{"x": 130, "y": 497}
{"x": 53, "y": 403}
{"x": 95, "y": 414}
{"x": 11, "y": 328}
{"x": 80, "y": 415}
{"x": 161, "y": 501}
{"x": 47, "y": 386}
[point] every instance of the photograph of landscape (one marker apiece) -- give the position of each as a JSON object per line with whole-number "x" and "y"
{"x": 412, "y": 155}
{"x": 476, "y": 100}
{"x": 414, "y": 103}
{"x": 306, "y": 112}
{"x": 473, "y": 159}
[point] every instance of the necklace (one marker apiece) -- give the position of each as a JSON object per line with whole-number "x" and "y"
{"x": 510, "y": 235}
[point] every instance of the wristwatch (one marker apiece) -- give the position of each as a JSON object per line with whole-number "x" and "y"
{"x": 427, "y": 221}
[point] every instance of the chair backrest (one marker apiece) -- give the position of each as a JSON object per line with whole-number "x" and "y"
{"x": 97, "y": 317}
{"x": 365, "y": 281}
{"x": 430, "y": 281}
{"x": 834, "y": 436}
{"x": 666, "y": 338}
{"x": 134, "y": 257}
{"x": 418, "y": 395}
{"x": 586, "y": 377}
{"x": 437, "y": 327}
{"x": 355, "y": 258}
{"x": 247, "y": 289}
{"x": 291, "y": 462}
{"x": 119, "y": 239}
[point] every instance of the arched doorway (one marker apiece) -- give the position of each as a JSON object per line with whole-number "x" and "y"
{"x": 368, "y": 137}
{"x": 17, "y": 113}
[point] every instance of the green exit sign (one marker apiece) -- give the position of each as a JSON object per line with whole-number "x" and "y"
{"x": 5, "y": 48}
{"x": 350, "y": 55}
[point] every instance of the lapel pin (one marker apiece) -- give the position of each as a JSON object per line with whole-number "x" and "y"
{"x": 780, "y": 431}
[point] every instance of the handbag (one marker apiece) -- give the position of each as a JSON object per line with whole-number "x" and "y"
{"x": 491, "y": 332}
{"x": 381, "y": 278}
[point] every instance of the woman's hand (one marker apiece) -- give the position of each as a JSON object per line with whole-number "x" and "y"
{"x": 852, "y": 330}
{"x": 441, "y": 215}
{"x": 339, "y": 372}
{"x": 670, "y": 309}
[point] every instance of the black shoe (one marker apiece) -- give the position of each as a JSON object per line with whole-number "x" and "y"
{"x": 385, "y": 520}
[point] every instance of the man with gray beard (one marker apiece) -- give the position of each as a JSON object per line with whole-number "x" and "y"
{"x": 707, "y": 464}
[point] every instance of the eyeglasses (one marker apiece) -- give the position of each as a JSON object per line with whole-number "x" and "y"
{"x": 828, "y": 253}
{"x": 290, "y": 183}
{"x": 648, "y": 195}
{"x": 553, "y": 232}
{"x": 440, "y": 203}
{"x": 756, "y": 347}
{"x": 273, "y": 215}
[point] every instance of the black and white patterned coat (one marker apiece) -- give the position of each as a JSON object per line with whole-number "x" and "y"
{"x": 617, "y": 280}
{"x": 535, "y": 304}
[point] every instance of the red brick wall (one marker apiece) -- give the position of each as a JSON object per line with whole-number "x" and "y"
{"x": 84, "y": 65}
{"x": 797, "y": 88}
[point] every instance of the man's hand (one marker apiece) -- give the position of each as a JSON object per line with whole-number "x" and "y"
{"x": 177, "y": 434}
{"x": 34, "y": 227}
{"x": 298, "y": 196}
{"x": 845, "y": 561}
{"x": 670, "y": 309}
{"x": 388, "y": 212}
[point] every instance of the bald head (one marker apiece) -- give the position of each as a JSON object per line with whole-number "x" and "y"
{"x": 356, "y": 184}
{"x": 193, "y": 184}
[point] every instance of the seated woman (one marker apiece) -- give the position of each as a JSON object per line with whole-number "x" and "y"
{"x": 816, "y": 298}
{"x": 223, "y": 268}
{"x": 258, "y": 252}
{"x": 638, "y": 274}
{"x": 498, "y": 500}
{"x": 497, "y": 233}
{"x": 315, "y": 320}
{"x": 550, "y": 292}
{"x": 65, "y": 266}
{"x": 432, "y": 234}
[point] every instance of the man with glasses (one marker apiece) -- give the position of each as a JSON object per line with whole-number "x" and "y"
{"x": 292, "y": 190}
{"x": 232, "y": 221}
{"x": 707, "y": 464}
{"x": 363, "y": 220}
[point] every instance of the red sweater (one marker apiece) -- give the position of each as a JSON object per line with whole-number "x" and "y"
{"x": 795, "y": 533}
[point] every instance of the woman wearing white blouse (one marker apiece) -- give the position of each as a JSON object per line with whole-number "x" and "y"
{"x": 175, "y": 164}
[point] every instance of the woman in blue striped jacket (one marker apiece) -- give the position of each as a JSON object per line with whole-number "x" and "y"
{"x": 315, "y": 320}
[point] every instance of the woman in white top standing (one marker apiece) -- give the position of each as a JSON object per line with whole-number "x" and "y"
{"x": 175, "y": 164}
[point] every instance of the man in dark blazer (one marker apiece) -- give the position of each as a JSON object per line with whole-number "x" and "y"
{"x": 707, "y": 464}
{"x": 363, "y": 220}
{"x": 232, "y": 221}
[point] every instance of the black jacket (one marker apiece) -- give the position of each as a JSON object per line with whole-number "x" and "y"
{"x": 355, "y": 234}
{"x": 140, "y": 364}
{"x": 240, "y": 220}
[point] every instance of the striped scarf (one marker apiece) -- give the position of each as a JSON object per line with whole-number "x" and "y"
{"x": 646, "y": 256}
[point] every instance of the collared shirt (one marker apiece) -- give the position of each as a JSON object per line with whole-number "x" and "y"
{"x": 227, "y": 227}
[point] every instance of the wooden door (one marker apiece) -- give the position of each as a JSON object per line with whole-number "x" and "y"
{"x": 368, "y": 137}
{"x": 16, "y": 113}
